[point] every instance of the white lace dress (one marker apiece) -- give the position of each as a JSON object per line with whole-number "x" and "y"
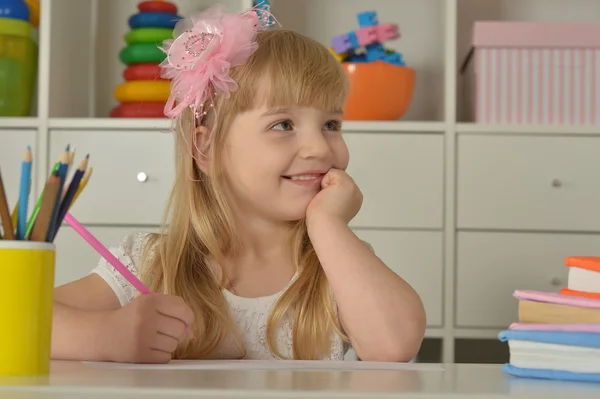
{"x": 249, "y": 314}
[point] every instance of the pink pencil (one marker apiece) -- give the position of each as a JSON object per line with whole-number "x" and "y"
{"x": 106, "y": 254}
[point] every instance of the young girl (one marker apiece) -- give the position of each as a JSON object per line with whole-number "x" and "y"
{"x": 256, "y": 256}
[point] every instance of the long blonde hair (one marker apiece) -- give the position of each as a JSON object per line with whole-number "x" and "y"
{"x": 201, "y": 233}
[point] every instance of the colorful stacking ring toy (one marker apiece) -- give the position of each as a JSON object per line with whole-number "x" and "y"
{"x": 143, "y": 90}
{"x": 147, "y": 71}
{"x": 157, "y": 6}
{"x": 148, "y": 35}
{"x": 154, "y": 19}
{"x": 139, "y": 53}
{"x": 139, "y": 110}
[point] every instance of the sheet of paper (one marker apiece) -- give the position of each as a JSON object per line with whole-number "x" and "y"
{"x": 270, "y": 365}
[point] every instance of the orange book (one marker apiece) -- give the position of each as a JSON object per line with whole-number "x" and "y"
{"x": 584, "y": 276}
{"x": 584, "y": 262}
{"x": 570, "y": 292}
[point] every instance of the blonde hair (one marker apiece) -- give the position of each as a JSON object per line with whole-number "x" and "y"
{"x": 201, "y": 233}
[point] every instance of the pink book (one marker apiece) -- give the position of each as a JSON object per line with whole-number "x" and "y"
{"x": 552, "y": 297}
{"x": 591, "y": 328}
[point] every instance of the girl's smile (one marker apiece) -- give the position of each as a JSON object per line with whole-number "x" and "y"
{"x": 310, "y": 178}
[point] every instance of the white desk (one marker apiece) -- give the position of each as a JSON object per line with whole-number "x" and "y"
{"x": 70, "y": 380}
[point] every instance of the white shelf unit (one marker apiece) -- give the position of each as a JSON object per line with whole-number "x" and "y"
{"x": 427, "y": 211}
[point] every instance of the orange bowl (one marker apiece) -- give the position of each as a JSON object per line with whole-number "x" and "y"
{"x": 378, "y": 90}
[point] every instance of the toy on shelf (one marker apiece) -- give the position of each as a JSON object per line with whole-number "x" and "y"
{"x": 381, "y": 85}
{"x": 144, "y": 92}
{"x": 366, "y": 43}
{"x": 34, "y": 12}
{"x": 18, "y": 59}
{"x": 263, "y": 5}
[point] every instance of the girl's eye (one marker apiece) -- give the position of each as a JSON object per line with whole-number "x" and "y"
{"x": 283, "y": 125}
{"x": 333, "y": 126}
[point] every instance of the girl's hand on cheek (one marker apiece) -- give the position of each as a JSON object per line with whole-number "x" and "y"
{"x": 339, "y": 198}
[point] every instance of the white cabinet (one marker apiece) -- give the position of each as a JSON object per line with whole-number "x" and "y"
{"x": 401, "y": 178}
{"x": 491, "y": 266}
{"x": 528, "y": 182}
{"x": 75, "y": 258}
{"x": 132, "y": 176}
{"x": 417, "y": 257}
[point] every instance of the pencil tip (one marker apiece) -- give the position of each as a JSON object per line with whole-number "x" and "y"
{"x": 68, "y": 147}
{"x": 28, "y": 148}
{"x": 87, "y": 156}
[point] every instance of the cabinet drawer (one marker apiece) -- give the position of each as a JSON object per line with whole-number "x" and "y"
{"x": 417, "y": 257}
{"x": 529, "y": 182}
{"x": 491, "y": 266}
{"x": 115, "y": 194}
{"x": 12, "y": 147}
{"x": 75, "y": 258}
{"x": 401, "y": 177}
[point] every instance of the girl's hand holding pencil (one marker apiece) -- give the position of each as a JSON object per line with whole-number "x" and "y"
{"x": 148, "y": 329}
{"x": 171, "y": 307}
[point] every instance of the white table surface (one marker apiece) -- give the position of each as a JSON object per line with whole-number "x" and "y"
{"x": 70, "y": 380}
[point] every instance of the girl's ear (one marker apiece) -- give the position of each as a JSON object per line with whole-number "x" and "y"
{"x": 200, "y": 148}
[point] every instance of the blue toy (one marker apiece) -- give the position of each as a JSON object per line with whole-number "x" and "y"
{"x": 366, "y": 43}
{"x": 353, "y": 38}
{"x": 14, "y": 9}
{"x": 153, "y": 19}
{"x": 357, "y": 58}
{"x": 367, "y": 18}
{"x": 375, "y": 52}
{"x": 394, "y": 58}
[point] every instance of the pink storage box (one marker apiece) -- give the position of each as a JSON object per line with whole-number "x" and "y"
{"x": 534, "y": 73}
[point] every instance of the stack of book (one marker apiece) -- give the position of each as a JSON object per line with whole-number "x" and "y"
{"x": 557, "y": 335}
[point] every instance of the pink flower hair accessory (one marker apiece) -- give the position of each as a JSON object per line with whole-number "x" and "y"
{"x": 205, "y": 47}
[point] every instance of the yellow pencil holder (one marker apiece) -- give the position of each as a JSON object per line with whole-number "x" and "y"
{"x": 26, "y": 295}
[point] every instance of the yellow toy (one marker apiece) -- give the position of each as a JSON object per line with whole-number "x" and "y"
{"x": 340, "y": 57}
{"x": 34, "y": 12}
{"x": 143, "y": 90}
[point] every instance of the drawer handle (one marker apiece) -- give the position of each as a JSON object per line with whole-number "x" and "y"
{"x": 556, "y": 183}
{"x": 142, "y": 177}
{"x": 557, "y": 282}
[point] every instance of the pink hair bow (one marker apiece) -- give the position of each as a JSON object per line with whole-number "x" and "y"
{"x": 202, "y": 52}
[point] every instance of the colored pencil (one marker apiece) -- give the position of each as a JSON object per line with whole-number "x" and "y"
{"x": 82, "y": 185}
{"x": 110, "y": 258}
{"x": 69, "y": 195}
{"x": 63, "y": 169}
{"x": 24, "y": 194}
{"x": 7, "y": 224}
{"x": 71, "y": 160}
{"x": 71, "y": 156}
{"x": 106, "y": 254}
{"x": 44, "y": 218}
{"x": 38, "y": 204}
{"x": 14, "y": 216}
